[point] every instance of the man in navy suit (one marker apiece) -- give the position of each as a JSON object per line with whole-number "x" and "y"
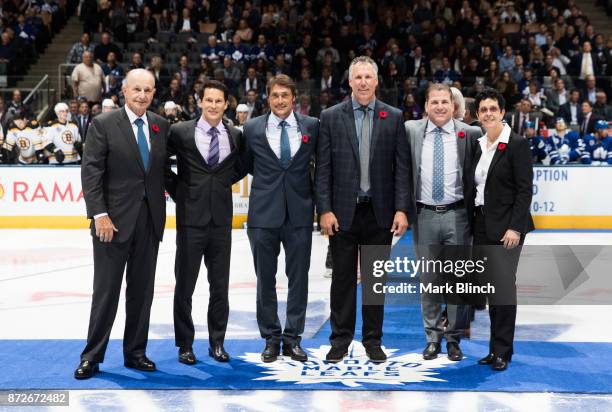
{"x": 279, "y": 149}
{"x": 363, "y": 178}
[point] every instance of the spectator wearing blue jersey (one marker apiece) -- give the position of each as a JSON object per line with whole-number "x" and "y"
{"x": 536, "y": 142}
{"x": 213, "y": 51}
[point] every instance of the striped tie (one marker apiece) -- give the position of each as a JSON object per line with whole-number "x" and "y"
{"x": 213, "y": 150}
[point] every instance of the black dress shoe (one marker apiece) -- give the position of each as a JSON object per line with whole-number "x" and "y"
{"x": 186, "y": 356}
{"x": 336, "y": 354}
{"x": 376, "y": 354}
{"x": 86, "y": 370}
{"x": 270, "y": 352}
{"x": 218, "y": 353}
{"x": 487, "y": 360}
{"x": 142, "y": 364}
{"x": 499, "y": 364}
{"x": 431, "y": 351}
{"x": 453, "y": 351}
{"x": 295, "y": 351}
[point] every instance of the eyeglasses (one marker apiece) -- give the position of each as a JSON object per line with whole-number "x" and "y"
{"x": 490, "y": 109}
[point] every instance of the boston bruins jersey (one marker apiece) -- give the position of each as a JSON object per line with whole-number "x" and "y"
{"x": 63, "y": 137}
{"x": 27, "y": 141}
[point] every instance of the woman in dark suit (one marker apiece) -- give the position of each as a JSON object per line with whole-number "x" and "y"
{"x": 501, "y": 199}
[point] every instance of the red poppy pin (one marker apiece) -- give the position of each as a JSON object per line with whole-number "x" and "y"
{"x": 501, "y": 147}
{"x": 305, "y": 138}
{"x": 155, "y": 128}
{"x": 382, "y": 115}
{"x": 461, "y": 134}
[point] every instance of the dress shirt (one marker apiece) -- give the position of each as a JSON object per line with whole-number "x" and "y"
{"x": 202, "y": 139}
{"x": 453, "y": 191}
{"x": 482, "y": 168}
{"x": 273, "y": 133}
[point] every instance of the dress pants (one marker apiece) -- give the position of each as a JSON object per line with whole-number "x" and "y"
{"x": 344, "y": 245}
{"x": 501, "y": 269}
{"x": 139, "y": 252}
{"x": 214, "y": 242}
{"x": 448, "y": 228}
{"x": 265, "y": 246}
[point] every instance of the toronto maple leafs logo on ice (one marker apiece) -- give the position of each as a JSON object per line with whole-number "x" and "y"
{"x": 354, "y": 370}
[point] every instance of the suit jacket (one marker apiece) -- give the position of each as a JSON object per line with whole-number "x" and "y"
{"x": 590, "y": 124}
{"x": 552, "y": 100}
{"x": 83, "y": 129}
{"x": 113, "y": 176}
{"x": 415, "y": 131}
{"x": 278, "y": 193}
{"x": 514, "y": 120}
{"x": 338, "y": 172}
{"x": 508, "y": 189}
{"x": 202, "y": 193}
{"x": 575, "y": 65}
{"x": 566, "y": 112}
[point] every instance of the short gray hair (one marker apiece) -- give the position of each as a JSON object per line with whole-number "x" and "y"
{"x": 363, "y": 60}
{"x": 459, "y": 102}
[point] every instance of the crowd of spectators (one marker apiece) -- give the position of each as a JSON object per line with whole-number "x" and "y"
{"x": 26, "y": 27}
{"x": 545, "y": 57}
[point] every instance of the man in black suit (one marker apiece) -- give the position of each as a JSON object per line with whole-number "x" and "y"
{"x": 363, "y": 178}
{"x": 83, "y": 119}
{"x": 280, "y": 147}
{"x": 587, "y": 126}
{"x": 206, "y": 150}
{"x": 123, "y": 187}
{"x": 571, "y": 111}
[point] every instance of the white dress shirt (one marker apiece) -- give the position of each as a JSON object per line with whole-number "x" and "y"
{"x": 453, "y": 191}
{"x": 132, "y": 116}
{"x": 482, "y": 168}
{"x": 273, "y": 133}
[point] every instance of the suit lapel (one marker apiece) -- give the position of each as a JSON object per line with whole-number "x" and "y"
{"x": 128, "y": 133}
{"x": 460, "y": 145}
{"x": 419, "y": 138}
{"x": 301, "y": 131}
{"x": 191, "y": 139}
{"x": 377, "y": 123}
{"x": 349, "y": 124}
{"x": 264, "y": 137}
{"x": 498, "y": 154}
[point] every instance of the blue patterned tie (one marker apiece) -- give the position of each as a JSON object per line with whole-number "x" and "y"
{"x": 213, "y": 148}
{"x": 285, "y": 148}
{"x": 142, "y": 143}
{"x": 437, "y": 189}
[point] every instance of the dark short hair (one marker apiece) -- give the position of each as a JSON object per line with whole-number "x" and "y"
{"x": 434, "y": 87}
{"x": 281, "y": 80}
{"x": 492, "y": 94}
{"x": 214, "y": 84}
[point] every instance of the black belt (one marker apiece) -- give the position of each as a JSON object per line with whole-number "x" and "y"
{"x": 363, "y": 199}
{"x": 442, "y": 208}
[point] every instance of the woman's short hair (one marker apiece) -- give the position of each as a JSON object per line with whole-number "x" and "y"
{"x": 492, "y": 94}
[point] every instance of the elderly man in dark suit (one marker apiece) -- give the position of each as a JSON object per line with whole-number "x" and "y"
{"x": 442, "y": 152}
{"x": 123, "y": 187}
{"x": 206, "y": 150}
{"x": 280, "y": 147}
{"x": 363, "y": 177}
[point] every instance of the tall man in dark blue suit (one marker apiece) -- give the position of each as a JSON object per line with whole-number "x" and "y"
{"x": 363, "y": 179}
{"x": 279, "y": 150}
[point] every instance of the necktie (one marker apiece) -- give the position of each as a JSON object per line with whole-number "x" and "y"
{"x": 285, "y": 148}
{"x": 364, "y": 151}
{"x": 142, "y": 143}
{"x": 213, "y": 148}
{"x": 437, "y": 189}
